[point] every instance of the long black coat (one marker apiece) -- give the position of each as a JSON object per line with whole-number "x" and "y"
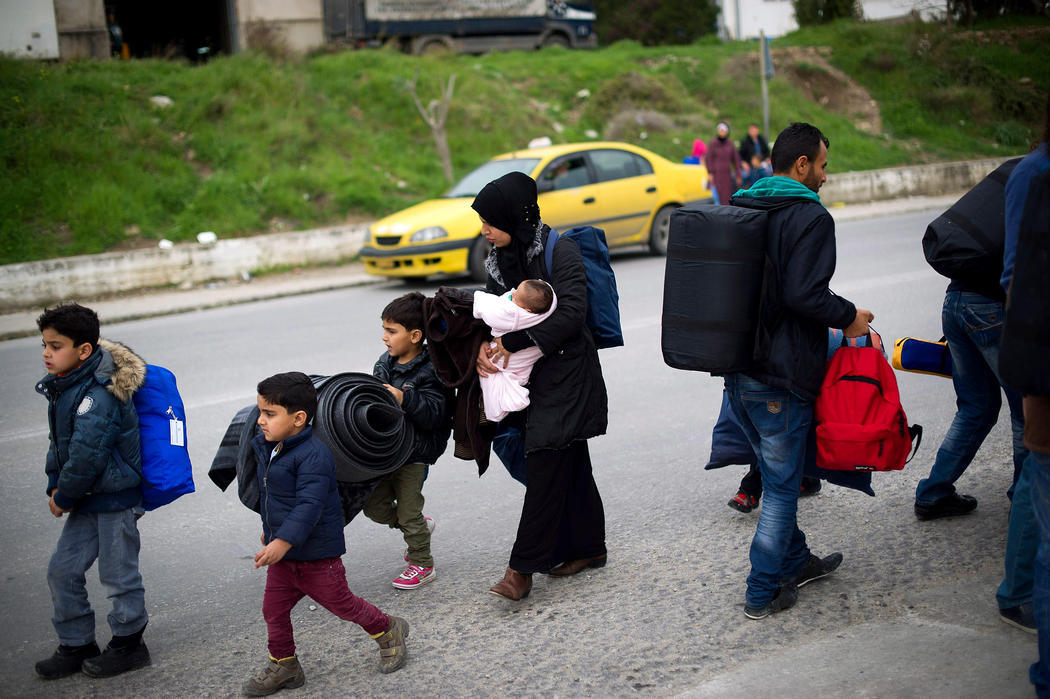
{"x": 568, "y": 400}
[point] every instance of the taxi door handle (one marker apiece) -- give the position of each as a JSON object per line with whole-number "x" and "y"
{"x": 588, "y": 200}
{"x": 650, "y": 190}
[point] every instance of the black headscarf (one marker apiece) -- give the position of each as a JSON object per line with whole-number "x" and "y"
{"x": 509, "y": 204}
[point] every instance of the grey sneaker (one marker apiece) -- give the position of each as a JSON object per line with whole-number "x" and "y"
{"x": 785, "y": 598}
{"x": 952, "y": 505}
{"x": 1022, "y": 617}
{"x": 392, "y": 649}
{"x": 277, "y": 674}
{"x": 818, "y": 568}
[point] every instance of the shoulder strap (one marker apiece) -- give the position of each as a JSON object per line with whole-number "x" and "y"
{"x": 548, "y": 250}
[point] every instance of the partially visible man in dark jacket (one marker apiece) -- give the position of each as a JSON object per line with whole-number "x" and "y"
{"x": 774, "y": 398}
{"x": 1022, "y": 365}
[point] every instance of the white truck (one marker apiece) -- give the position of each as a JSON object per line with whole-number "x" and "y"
{"x": 461, "y": 26}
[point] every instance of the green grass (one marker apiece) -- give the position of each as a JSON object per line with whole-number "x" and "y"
{"x": 250, "y": 144}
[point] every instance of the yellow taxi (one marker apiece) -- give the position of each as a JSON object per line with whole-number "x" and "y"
{"x": 627, "y": 191}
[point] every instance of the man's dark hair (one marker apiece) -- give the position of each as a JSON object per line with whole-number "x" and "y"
{"x": 544, "y": 295}
{"x": 406, "y": 310}
{"x": 795, "y": 141}
{"x": 293, "y": 391}
{"x": 78, "y": 323}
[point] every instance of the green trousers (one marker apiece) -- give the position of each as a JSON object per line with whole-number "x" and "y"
{"x": 398, "y": 502}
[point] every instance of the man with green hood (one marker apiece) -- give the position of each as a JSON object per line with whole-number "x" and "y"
{"x": 774, "y": 397}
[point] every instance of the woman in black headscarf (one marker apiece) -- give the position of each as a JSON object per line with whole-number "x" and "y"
{"x": 562, "y": 526}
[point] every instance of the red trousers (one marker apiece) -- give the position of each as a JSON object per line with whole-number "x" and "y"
{"x": 324, "y": 581}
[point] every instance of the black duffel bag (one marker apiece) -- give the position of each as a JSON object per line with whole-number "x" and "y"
{"x": 716, "y": 257}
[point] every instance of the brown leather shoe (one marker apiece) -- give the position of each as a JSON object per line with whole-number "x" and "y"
{"x": 513, "y": 586}
{"x": 574, "y": 567}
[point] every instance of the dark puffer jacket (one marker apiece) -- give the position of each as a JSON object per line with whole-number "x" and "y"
{"x": 568, "y": 401}
{"x": 92, "y": 420}
{"x": 798, "y": 307}
{"x": 426, "y": 402}
{"x": 299, "y": 502}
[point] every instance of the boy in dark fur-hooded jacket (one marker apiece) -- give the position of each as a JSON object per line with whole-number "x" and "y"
{"x": 94, "y": 468}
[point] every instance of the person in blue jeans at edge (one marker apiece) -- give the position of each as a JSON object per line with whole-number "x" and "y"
{"x": 774, "y": 397}
{"x": 972, "y": 321}
{"x": 1024, "y": 595}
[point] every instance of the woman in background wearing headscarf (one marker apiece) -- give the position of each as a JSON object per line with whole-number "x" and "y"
{"x": 562, "y": 525}
{"x": 723, "y": 165}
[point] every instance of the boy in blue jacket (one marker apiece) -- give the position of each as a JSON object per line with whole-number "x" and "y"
{"x": 303, "y": 534}
{"x": 93, "y": 471}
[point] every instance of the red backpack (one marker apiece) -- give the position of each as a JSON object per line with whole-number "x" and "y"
{"x": 861, "y": 425}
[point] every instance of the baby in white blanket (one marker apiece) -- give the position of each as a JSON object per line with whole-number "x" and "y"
{"x": 523, "y": 307}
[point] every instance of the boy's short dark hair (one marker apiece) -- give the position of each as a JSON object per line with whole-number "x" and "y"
{"x": 78, "y": 323}
{"x": 293, "y": 391}
{"x": 795, "y": 141}
{"x": 406, "y": 310}
{"x": 544, "y": 295}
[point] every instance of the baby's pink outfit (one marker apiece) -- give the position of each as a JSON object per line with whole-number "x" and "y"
{"x": 504, "y": 392}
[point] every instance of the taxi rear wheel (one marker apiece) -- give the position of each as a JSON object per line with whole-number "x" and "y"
{"x": 660, "y": 230}
{"x": 476, "y": 259}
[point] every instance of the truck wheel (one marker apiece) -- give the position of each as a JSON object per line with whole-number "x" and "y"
{"x": 556, "y": 40}
{"x": 660, "y": 230}
{"x": 476, "y": 259}
{"x": 433, "y": 45}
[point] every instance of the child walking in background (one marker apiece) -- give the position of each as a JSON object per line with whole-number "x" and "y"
{"x": 531, "y": 302}
{"x": 94, "y": 469}
{"x": 406, "y": 371}
{"x": 303, "y": 535}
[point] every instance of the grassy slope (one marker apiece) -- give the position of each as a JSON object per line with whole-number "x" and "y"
{"x": 88, "y": 164}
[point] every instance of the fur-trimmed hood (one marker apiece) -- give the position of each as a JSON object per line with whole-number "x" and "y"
{"x": 125, "y": 370}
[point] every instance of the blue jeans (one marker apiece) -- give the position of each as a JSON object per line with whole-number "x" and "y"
{"x": 112, "y": 538}
{"x": 1039, "y": 467}
{"x": 777, "y": 423}
{"x": 972, "y": 323}
{"x": 1022, "y": 540}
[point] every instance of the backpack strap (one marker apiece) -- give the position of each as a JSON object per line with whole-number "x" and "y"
{"x": 915, "y": 432}
{"x": 548, "y": 250}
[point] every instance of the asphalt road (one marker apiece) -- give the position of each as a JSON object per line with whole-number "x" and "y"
{"x": 663, "y": 618}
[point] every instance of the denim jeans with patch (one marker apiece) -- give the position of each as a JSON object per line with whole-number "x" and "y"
{"x": 777, "y": 423}
{"x": 972, "y": 323}
{"x": 112, "y": 538}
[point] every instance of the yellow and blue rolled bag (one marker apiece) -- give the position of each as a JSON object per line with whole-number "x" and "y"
{"x": 922, "y": 356}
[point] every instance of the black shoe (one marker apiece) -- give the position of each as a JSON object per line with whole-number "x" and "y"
{"x": 785, "y": 598}
{"x": 810, "y": 486}
{"x": 1022, "y": 616}
{"x": 66, "y": 661}
{"x": 743, "y": 502}
{"x": 817, "y": 568}
{"x": 117, "y": 660}
{"x": 949, "y": 506}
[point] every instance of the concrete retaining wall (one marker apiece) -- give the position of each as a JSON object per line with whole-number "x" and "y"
{"x": 894, "y": 183}
{"x": 89, "y": 276}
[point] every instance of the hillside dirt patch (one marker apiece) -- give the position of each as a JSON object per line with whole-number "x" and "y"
{"x": 808, "y": 69}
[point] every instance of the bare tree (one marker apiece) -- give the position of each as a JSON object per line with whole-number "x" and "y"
{"x": 435, "y": 114}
